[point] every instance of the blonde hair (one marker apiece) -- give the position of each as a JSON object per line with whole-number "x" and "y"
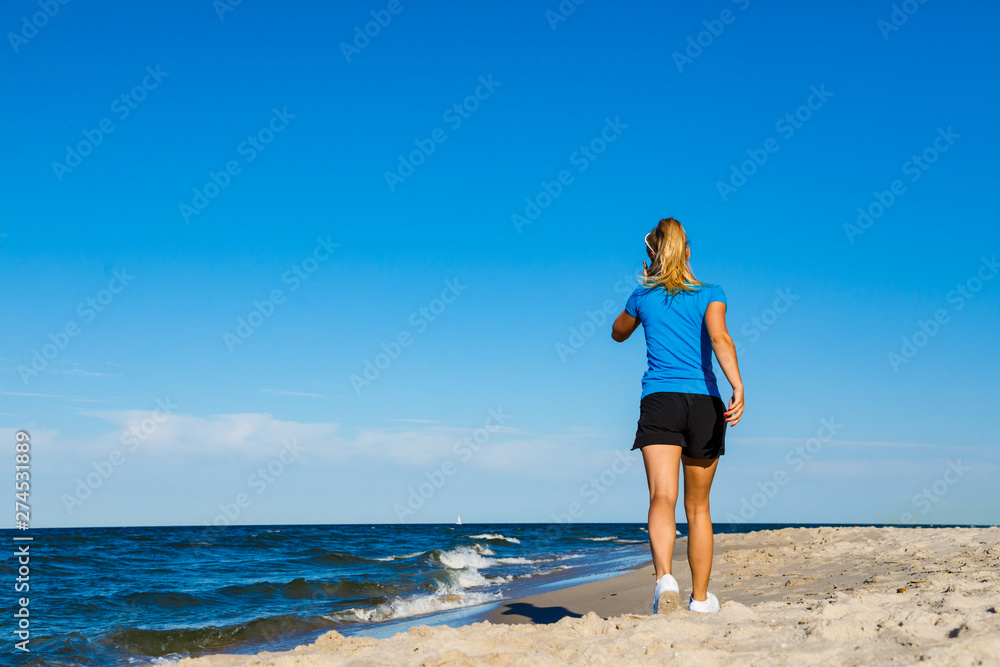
{"x": 670, "y": 268}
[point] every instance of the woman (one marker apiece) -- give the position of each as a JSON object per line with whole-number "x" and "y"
{"x": 682, "y": 418}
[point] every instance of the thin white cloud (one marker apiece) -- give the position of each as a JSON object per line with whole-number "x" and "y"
{"x": 413, "y": 421}
{"x": 70, "y": 398}
{"x": 190, "y": 440}
{"x": 854, "y": 443}
{"x": 66, "y": 367}
{"x": 77, "y": 370}
{"x": 413, "y": 448}
{"x": 285, "y": 392}
{"x": 80, "y": 371}
{"x": 903, "y": 470}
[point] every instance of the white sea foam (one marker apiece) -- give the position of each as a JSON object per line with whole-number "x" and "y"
{"x": 515, "y": 560}
{"x": 463, "y": 565}
{"x": 466, "y": 557}
{"x": 171, "y": 659}
{"x": 482, "y": 549}
{"x": 388, "y": 558}
{"x": 468, "y": 578}
{"x": 495, "y": 536}
{"x": 602, "y": 539}
{"x": 471, "y": 578}
{"x": 441, "y": 600}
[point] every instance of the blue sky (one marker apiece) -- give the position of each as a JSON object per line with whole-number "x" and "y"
{"x": 245, "y": 171}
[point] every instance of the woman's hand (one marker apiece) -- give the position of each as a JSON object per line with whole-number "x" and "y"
{"x": 735, "y": 411}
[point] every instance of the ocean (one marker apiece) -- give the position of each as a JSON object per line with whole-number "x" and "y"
{"x": 123, "y": 596}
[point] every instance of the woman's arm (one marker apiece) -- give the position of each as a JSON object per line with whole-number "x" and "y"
{"x": 725, "y": 352}
{"x": 623, "y": 327}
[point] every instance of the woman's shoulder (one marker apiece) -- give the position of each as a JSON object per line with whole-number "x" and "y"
{"x": 708, "y": 288}
{"x": 641, "y": 289}
{"x": 702, "y": 288}
{"x": 713, "y": 292}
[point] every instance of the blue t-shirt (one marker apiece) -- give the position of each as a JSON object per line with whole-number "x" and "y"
{"x": 678, "y": 347}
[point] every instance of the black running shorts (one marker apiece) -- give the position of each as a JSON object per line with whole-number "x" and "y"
{"x": 696, "y": 422}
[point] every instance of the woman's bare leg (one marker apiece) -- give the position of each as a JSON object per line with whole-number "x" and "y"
{"x": 698, "y": 476}
{"x": 662, "y": 469}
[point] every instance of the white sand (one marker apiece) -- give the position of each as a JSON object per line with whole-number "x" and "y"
{"x": 796, "y": 596}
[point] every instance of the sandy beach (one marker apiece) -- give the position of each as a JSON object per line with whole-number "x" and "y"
{"x": 832, "y": 596}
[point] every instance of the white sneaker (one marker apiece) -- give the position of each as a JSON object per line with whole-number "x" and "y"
{"x": 709, "y": 606}
{"x": 667, "y": 596}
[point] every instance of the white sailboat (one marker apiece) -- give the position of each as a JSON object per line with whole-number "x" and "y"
{"x": 459, "y": 522}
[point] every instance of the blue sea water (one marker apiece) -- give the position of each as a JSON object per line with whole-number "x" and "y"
{"x": 124, "y": 596}
{"x": 115, "y": 596}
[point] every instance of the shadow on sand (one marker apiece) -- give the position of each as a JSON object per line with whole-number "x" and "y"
{"x": 540, "y": 615}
